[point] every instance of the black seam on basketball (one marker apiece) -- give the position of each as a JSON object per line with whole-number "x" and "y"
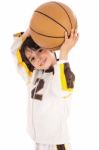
{"x": 44, "y": 34}
{"x": 53, "y": 20}
{"x": 53, "y": 47}
{"x": 65, "y": 12}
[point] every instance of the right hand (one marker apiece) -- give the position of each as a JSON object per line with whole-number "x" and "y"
{"x": 68, "y": 44}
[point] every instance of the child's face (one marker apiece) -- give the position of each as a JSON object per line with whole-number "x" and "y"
{"x": 41, "y": 58}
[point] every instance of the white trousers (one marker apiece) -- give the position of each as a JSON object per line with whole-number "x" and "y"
{"x": 39, "y": 146}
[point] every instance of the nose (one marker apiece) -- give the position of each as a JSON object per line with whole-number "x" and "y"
{"x": 38, "y": 59}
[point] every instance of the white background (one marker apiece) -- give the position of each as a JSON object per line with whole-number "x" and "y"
{"x": 84, "y": 58}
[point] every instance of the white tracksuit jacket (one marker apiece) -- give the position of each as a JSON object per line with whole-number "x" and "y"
{"x": 49, "y": 99}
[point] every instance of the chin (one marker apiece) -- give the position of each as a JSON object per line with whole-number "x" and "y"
{"x": 45, "y": 66}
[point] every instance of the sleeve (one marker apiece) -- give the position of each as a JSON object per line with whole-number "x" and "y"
{"x": 21, "y": 66}
{"x": 63, "y": 79}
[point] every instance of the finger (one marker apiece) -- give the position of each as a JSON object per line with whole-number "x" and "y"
{"x": 77, "y": 37}
{"x": 72, "y": 33}
{"x": 76, "y": 34}
{"x": 66, "y": 36}
{"x": 75, "y": 31}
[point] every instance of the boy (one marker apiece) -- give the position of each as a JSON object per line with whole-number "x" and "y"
{"x": 50, "y": 84}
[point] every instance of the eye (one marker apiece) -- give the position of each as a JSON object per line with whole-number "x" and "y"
{"x": 32, "y": 59}
{"x": 40, "y": 50}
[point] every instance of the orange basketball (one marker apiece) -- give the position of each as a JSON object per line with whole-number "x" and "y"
{"x": 49, "y": 23}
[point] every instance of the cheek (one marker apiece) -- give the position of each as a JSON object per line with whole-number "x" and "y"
{"x": 35, "y": 64}
{"x": 49, "y": 60}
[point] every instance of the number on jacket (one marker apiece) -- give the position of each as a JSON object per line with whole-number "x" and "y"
{"x": 36, "y": 93}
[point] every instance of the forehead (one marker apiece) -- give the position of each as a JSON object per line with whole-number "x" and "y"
{"x": 33, "y": 52}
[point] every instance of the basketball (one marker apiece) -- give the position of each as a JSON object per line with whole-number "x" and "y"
{"x": 49, "y": 23}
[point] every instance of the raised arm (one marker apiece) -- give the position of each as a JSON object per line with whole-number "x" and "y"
{"x": 22, "y": 67}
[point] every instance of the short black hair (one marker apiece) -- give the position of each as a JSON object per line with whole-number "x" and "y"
{"x": 31, "y": 44}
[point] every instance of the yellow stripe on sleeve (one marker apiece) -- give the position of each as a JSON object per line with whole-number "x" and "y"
{"x": 63, "y": 79}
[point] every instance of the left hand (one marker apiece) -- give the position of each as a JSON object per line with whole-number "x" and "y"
{"x": 26, "y": 34}
{"x": 68, "y": 44}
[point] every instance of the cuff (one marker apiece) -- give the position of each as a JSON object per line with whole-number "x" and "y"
{"x": 62, "y": 61}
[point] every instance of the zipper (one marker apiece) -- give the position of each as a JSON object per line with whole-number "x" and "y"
{"x": 33, "y": 109}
